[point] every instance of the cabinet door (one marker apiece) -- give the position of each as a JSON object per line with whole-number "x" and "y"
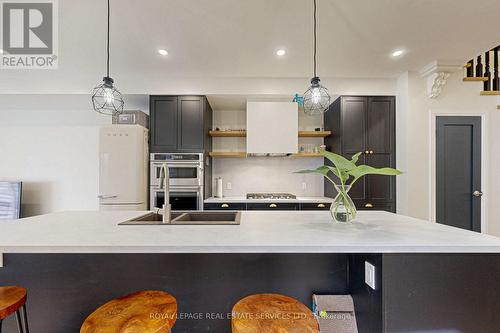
{"x": 380, "y": 188}
{"x": 191, "y": 126}
{"x": 380, "y": 124}
{"x": 354, "y": 124}
{"x": 164, "y": 119}
{"x": 359, "y": 189}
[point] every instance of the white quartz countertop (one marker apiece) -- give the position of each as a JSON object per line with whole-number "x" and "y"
{"x": 259, "y": 232}
{"x": 245, "y": 200}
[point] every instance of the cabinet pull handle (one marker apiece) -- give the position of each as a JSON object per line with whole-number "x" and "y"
{"x": 367, "y": 152}
{"x": 321, "y": 205}
{"x": 371, "y": 152}
{"x": 273, "y": 206}
{"x": 369, "y": 205}
{"x": 224, "y": 205}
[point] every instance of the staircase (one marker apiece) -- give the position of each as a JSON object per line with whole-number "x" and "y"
{"x": 483, "y": 73}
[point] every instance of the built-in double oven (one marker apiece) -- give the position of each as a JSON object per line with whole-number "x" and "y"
{"x": 185, "y": 182}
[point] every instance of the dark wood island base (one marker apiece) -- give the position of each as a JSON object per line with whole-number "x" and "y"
{"x": 414, "y": 292}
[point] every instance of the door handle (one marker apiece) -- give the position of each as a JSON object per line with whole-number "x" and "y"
{"x": 224, "y": 205}
{"x": 273, "y": 206}
{"x": 477, "y": 193}
{"x": 368, "y": 205}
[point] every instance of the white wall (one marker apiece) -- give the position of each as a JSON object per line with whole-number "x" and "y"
{"x": 457, "y": 98}
{"x": 50, "y": 142}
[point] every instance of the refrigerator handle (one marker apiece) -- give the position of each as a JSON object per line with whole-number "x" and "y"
{"x": 103, "y": 196}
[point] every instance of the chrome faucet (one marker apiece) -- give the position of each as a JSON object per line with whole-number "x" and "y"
{"x": 165, "y": 184}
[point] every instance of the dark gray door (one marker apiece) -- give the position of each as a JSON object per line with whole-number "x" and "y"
{"x": 458, "y": 172}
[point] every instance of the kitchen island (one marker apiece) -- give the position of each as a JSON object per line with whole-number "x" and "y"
{"x": 259, "y": 232}
{"x": 71, "y": 262}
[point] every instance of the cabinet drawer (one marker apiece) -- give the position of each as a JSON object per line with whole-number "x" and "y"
{"x": 272, "y": 206}
{"x": 225, "y": 206}
{"x": 315, "y": 206}
{"x": 387, "y": 206}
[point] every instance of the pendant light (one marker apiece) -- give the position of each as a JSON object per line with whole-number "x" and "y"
{"x": 106, "y": 99}
{"x": 316, "y": 98}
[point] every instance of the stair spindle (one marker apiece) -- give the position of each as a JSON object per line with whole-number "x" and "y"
{"x": 470, "y": 68}
{"x": 479, "y": 67}
{"x": 487, "y": 72}
{"x": 496, "y": 78}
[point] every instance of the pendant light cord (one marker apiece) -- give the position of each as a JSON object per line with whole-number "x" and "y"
{"x": 314, "y": 37}
{"x": 107, "y": 60}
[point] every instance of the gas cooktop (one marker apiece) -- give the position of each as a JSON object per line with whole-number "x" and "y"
{"x": 270, "y": 196}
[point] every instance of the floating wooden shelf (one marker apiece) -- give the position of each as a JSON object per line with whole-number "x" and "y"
{"x": 242, "y": 154}
{"x": 314, "y": 134}
{"x": 227, "y": 154}
{"x": 228, "y": 134}
{"x": 490, "y": 93}
{"x": 476, "y": 79}
{"x": 307, "y": 155}
{"x": 241, "y": 134}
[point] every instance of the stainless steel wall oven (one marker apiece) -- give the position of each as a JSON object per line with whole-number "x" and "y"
{"x": 186, "y": 180}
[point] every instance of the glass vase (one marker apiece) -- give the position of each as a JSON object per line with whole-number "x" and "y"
{"x": 343, "y": 209}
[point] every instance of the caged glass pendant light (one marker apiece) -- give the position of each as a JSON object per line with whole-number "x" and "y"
{"x": 316, "y": 98}
{"x": 106, "y": 99}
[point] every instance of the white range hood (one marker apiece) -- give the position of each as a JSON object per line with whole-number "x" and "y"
{"x": 272, "y": 128}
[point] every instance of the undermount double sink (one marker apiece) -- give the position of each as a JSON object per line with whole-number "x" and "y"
{"x": 188, "y": 218}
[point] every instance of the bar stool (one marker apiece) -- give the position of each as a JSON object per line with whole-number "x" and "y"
{"x": 141, "y": 312}
{"x": 12, "y": 299}
{"x": 271, "y": 313}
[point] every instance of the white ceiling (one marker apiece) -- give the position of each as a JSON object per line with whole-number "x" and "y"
{"x": 217, "y": 40}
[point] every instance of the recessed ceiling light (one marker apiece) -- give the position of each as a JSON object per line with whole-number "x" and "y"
{"x": 280, "y": 52}
{"x": 397, "y": 53}
{"x": 163, "y": 52}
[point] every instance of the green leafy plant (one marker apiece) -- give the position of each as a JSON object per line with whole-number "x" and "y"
{"x": 346, "y": 170}
{"x": 347, "y": 173}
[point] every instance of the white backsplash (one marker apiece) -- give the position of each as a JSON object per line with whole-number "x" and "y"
{"x": 268, "y": 174}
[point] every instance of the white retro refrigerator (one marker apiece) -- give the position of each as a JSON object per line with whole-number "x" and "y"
{"x": 123, "y": 167}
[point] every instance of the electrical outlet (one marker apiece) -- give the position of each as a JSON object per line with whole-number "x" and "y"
{"x": 370, "y": 275}
{"x": 304, "y": 186}
{"x": 229, "y": 186}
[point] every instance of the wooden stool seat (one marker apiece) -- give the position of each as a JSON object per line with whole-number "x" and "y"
{"x": 272, "y": 313}
{"x": 141, "y": 312}
{"x": 11, "y": 299}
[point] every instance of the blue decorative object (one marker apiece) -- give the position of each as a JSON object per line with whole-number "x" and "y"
{"x": 299, "y": 99}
